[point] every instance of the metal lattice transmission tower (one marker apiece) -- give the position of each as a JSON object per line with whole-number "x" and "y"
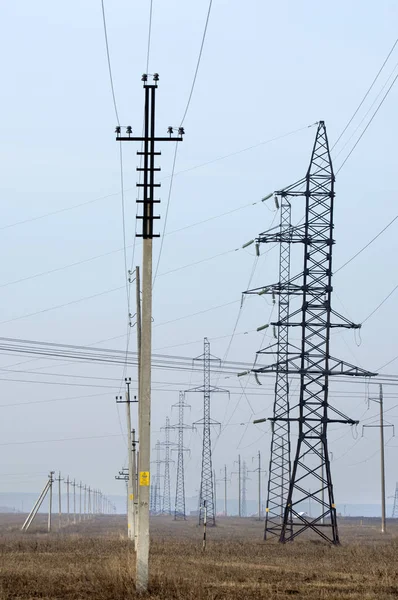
{"x": 166, "y": 506}
{"x": 206, "y": 480}
{"x": 311, "y": 361}
{"x": 395, "y": 506}
{"x": 179, "y": 508}
{"x": 279, "y": 463}
{"x": 157, "y": 498}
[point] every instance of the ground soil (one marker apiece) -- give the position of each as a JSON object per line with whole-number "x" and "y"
{"x": 94, "y": 560}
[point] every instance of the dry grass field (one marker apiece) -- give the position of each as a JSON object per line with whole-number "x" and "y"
{"x": 94, "y": 560}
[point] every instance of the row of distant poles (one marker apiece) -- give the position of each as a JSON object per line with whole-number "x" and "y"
{"x": 160, "y": 502}
{"x": 89, "y": 503}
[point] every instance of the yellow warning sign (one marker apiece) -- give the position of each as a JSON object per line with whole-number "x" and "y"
{"x": 144, "y": 478}
{"x": 267, "y": 509}
{"x": 131, "y": 496}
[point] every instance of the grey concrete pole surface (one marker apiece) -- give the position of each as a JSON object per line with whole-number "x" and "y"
{"x": 259, "y": 485}
{"x": 144, "y": 431}
{"x": 74, "y": 501}
{"x": 135, "y": 504}
{"x": 33, "y": 512}
{"x": 50, "y": 501}
{"x": 80, "y": 501}
{"x": 215, "y": 492}
{"x": 382, "y": 465}
{"x": 225, "y": 492}
{"x": 239, "y": 487}
{"x": 67, "y": 498}
{"x": 130, "y": 493}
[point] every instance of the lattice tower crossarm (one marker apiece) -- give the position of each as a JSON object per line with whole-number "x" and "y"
{"x": 311, "y": 479}
{"x": 279, "y": 464}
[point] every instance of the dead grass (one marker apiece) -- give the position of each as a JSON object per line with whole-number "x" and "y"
{"x": 94, "y": 560}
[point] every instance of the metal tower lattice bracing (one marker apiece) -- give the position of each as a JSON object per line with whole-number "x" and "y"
{"x": 206, "y": 480}
{"x": 179, "y": 508}
{"x": 310, "y": 360}
{"x": 279, "y": 463}
{"x": 166, "y": 507}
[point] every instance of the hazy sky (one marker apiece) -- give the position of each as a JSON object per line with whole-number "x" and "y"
{"x": 267, "y": 69}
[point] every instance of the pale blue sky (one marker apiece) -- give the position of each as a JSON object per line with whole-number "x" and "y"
{"x": 267, "y": 69}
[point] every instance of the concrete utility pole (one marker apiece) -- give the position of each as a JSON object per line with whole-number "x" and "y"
{"x": 136, "y": 467}
{"x": 215, "y": 492}
{"x": 50, "y": 500}
{"x": 134, "y": 484}
{"x": 59, "y": 479}
{"x": 67, "y": 482}
{"x": 36, "y": 507}
{"x": 259, "y": 471}
{"x": 80, "y": 486}
{"x": 74, "y": 501}
{"x": 131, "y": 475}
{"x": 381, "y": 425}
{"x": 148, "y": 201}
{"x": 225, "y": 480}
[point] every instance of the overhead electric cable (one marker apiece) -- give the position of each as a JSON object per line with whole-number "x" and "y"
{"x": 366, "y": 95}
{"x": 198, "y": 62}
{"x": 367, "y": 245}
{"x": 149, "y": 36}
{"x": 367, "y": 126}
{"x": 381, "y": 304}
{"x": 109, "y": 62}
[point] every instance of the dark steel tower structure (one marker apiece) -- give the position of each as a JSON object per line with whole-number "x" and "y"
{"x": 166, "y": 507}
{"x": 179, "y": 509}
{"x": 279, "y": 464}
{"x": 206, "y": 480}
{"x": 311, "y": 361}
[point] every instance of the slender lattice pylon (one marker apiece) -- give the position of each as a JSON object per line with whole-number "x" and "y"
{"x": 166, "y": 507}
{"x": 279, "y": 463}
{"x": 206, "y": 480}
{"x": 179, "y": 508}
{"x": 311, "y": 361}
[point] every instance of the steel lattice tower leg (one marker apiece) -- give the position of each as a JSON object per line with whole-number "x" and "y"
{"x": 206, "y": 480}
{"x": 179, "y": 509}
{"x": 166, "y": 484}
{"x": 279, "y": 464}
{"x": 311, "y": 479}
{"x": 157, "y": 499}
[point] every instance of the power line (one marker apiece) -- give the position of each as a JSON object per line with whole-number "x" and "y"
{"x": 380, "y": 305}
{"x": 109, "y": 62}
{"x": 71, "y": 439}
{"x": 44, "y": 310}
{"x": 370, "y": 121}
{"x": 149, "y": 36}
{"x": 368, "y": 244}
{"x": 198, "y": 62}
{"x": 366, "y": 95}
